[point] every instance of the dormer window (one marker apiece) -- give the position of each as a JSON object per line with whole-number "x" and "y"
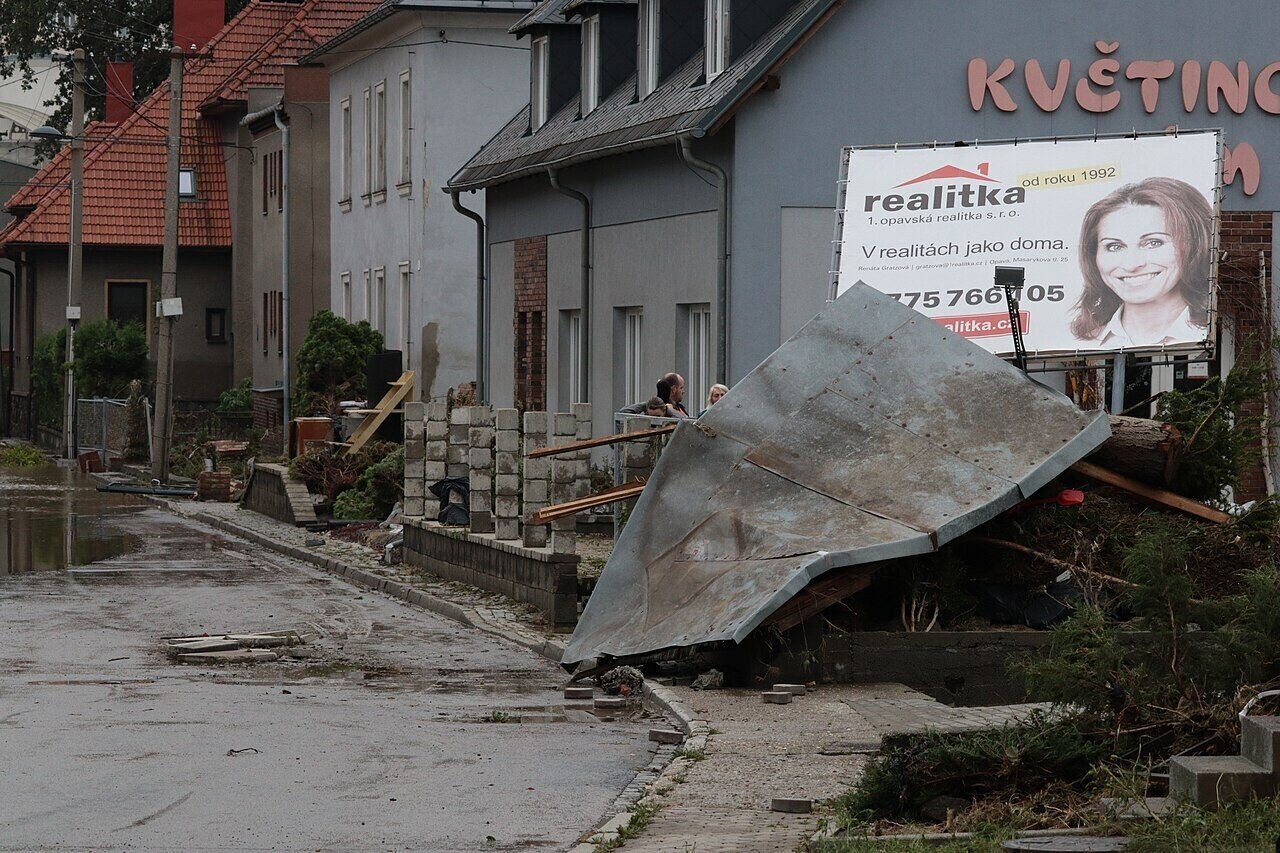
{"x": 590, "y": 64}
{"x": 717, "y": 38}
{"x": 538, "y": 90}
{"x": 647, "y": 55}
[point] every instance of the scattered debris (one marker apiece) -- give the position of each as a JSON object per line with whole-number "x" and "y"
{"x": 579, "y": 692}
{"x": 712, "y": 679}
{"x": 666, "y": 736}
{"x": 621, "y": 678}
{"x": 776, "y": 697}
{"x": 245, "y": 751}
{"x": 232, "y": 648}
{"x": 791, "y": 805}
{"x": 610, "y": 702}
{"x": 793, "y": 689}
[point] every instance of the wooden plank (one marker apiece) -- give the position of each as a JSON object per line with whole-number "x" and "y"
{"x": 394, "y": 396}
{"x": 819, "y": 595}
{"x": 1161, "y": 497}
{"x": 602, "y": 441}
{"x": 573, "y": 507}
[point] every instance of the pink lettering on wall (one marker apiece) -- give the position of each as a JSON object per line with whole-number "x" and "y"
{"x": 1046, "y": 98}
{"x": 1150, "y": 73}
{"x": 1096, "y": 91}
{"x": 1242, "y": 160}
{"x": 981, "y": 82}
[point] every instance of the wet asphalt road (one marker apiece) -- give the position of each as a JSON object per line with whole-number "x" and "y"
{"x": 383, "y": 739}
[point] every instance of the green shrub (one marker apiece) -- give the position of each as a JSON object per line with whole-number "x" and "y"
{"x": 21, "y": 456}
{"x": 353, "y": 504}
{"x": 109, "y": 356}
{"x": 237, "y": 399}
{"x": 331, "y": 361}
{"x": 48, "y": 368}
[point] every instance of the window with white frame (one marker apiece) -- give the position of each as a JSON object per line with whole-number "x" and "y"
{"x": 717, "y": 37}
{"x": 647, "y": 44}
{"x": 368, "y": 296}
{"x": 590, "y": 64}
{"x": 632, "y": 355}
{"x": 346, "y": 297}
{"x": 698, "y": 383}
{"x": 573, "y": 355}
{"x": 379, "y": 313}
{"x": 368, "y": 143}
{"x": 344, "y": 153}
{"x": 380, "y": 137}
{"x": 539, "y": 70}
{"x": 406, "y": 310}
{"x": 406, "y": 128}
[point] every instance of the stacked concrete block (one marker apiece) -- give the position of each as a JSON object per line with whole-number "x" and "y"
{"x": 459, "y": 442}
{"x": 638, "y": 459}
{"x": 415, "y": 449}
{"x": 537, "y": 478}
{"x": 436, "y": 442}
{"x": 480, "y": 468}
{"x": 582, "y": 459}
{"x": 564, "y": 471}
{"x": 506, "y": 474}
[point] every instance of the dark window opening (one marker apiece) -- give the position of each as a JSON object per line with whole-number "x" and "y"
{"x": 215, "y": 325}
{"x": 127, "y": 302}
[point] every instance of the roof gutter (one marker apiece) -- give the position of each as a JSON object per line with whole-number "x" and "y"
{"x": 482, "y": 302}
{"x": 584, "y": 322}
{"x": 722, "y": 250}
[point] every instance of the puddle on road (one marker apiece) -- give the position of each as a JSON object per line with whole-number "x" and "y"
{"x": 53, "y": 518}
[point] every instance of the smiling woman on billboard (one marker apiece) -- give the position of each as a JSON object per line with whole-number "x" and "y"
{"x": 1145, "y": 253}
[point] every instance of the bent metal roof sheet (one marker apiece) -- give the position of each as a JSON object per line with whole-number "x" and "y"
{"x": 874, "y": 433}
{"x": 679, "y": 106}
{"x": 124, "y": 164}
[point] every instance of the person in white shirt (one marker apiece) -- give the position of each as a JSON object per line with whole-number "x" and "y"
{"x": 1145, "y": 253}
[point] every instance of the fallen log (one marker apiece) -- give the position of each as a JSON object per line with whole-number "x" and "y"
{"x": 1141, "y": 448}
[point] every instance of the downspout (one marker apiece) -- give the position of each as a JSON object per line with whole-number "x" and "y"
{"x": 284, "y": 265}
{"x": 722, "y": 253}
{"x": 482, "y": 319}
{"x": 584, "y": 323}
{"x": 6, "y": 390}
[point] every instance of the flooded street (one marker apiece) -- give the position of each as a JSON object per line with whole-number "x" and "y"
{"x": 393, "y": 729}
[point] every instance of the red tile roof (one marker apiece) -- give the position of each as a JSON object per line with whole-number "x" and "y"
{"x": 124, "y": 164}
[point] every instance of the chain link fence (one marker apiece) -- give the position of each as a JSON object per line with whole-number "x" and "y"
{"x": 102, "y": 425}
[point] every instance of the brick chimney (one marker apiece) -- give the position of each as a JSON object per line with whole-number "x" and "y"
{"x": 119, "y": 91}
{"x": 196, "y": 21}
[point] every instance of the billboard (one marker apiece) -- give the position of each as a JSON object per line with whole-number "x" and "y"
{"x": 1118, "y": 238}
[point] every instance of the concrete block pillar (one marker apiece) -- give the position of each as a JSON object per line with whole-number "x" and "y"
{"x": 459, "y": 442}
{"x": 564, "y": 469}
{"x": 506, "y": 474}
{"x": 415, "y": 448}
{"x": 582, "y": 459}
{"x": 638, "y": 458}
{"x": 537, "y": 477}
{"x": 480, "y": 467}
{"x": 436, "y": 442}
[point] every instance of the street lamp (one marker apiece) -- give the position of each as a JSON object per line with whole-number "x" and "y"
{"x": 50, "y": 134}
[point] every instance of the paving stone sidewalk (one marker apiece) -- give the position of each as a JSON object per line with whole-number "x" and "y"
{"x": 813, "y": 748}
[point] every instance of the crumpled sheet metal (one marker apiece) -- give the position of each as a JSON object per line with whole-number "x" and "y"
{"x": 874, "y": 433}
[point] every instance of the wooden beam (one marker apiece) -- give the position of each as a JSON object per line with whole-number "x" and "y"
{"x": 394, "y": 396}
{"x": 1151, "y": 494}
{"x": 820, "y": 594}
{"x": 602, "y": 441}
{"x": 573, "y": 507}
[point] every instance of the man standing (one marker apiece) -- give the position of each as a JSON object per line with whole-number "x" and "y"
{"x": 673, "y": 386}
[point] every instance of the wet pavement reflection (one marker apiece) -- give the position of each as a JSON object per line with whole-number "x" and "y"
{"x": 54, "y": 518}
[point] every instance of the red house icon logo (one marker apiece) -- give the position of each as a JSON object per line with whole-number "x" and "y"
{"x": 950, "y": 173}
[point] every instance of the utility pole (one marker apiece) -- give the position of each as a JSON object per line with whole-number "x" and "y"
{"x": 170, "y": 305}
{"x": 75, "y": 246}
{"x": 284, "y": 270}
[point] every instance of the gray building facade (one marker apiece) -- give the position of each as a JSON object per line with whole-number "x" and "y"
{"x": 793, "y": 90}
{"x": 415, "y": 89}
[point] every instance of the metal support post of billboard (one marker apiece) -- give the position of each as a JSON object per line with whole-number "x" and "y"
{"x": 1011, "y": 279}
{"x": 1117, "y": 382}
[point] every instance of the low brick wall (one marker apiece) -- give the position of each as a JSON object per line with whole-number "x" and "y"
{"x": 534, "y": 576}
{"x": 275, "y": 494}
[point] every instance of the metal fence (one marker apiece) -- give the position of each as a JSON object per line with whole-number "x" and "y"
{"x": 102, "y": 425}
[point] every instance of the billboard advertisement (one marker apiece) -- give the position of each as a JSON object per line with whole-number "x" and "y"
{"x": 1117, "y": 237}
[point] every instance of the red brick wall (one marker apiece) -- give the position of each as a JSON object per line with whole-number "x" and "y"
{"x": 531, "y": 323}
{"x": 1244, "y": 235}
